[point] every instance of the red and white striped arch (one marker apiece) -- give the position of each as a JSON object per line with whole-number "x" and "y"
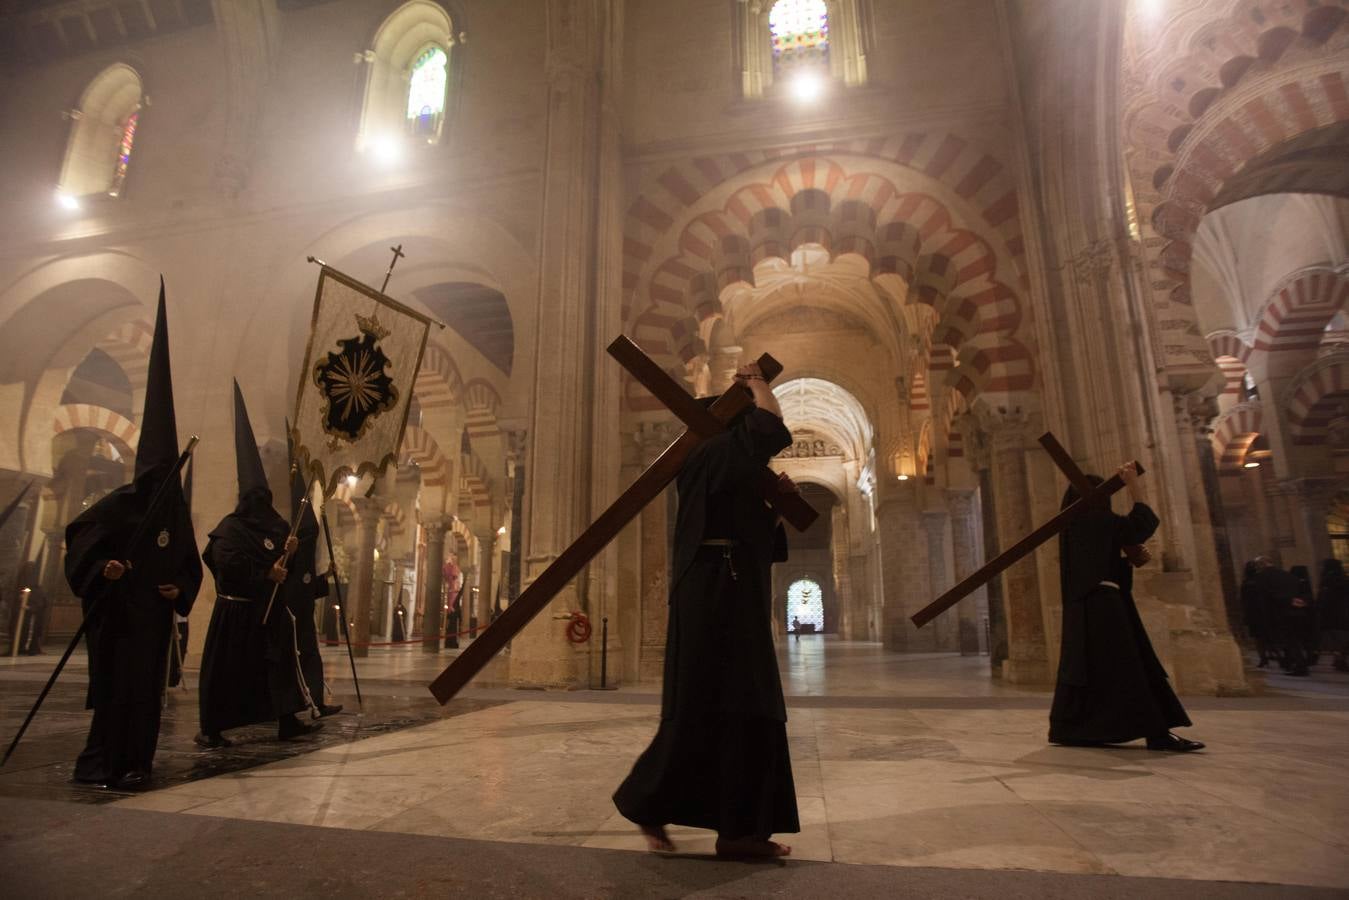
{"x": 129, "y": 347}
{"x": 1296, "y": 316}
{"x": 475, "y": 482}
{"x": 1318, "y": 395}
{"x": 112, "y": 425}
{"x": 438, "y": 384}
{"x": 482, "y": 403}
{"x": 1230, "y": 352}
{"x": 421, "y": 448}
{"x": 1233, "y": 433}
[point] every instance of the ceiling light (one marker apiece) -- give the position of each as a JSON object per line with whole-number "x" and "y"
{"x": 67, "y": 201}
{"x": 501, "y": 530}
{"x": 902, "y": 477}
{"x": 386, "y": 149}
{"x": 807, "y": 87}
{"x": 352, "y": 481}
{"x": 1253, "y": 465}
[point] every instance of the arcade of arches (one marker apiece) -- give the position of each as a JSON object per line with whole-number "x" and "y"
{"x": 1122, "y": 222}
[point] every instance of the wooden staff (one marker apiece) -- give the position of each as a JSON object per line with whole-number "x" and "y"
{"x": 294, "y": 528}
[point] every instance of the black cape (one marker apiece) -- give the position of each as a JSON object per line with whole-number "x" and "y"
{"x": 304, "y": 588}
{"x": 127, "y": 623}
{"x": 719, "y": 759}
{"x": 249, "y": 671}
{"x": 1111, "y": 686}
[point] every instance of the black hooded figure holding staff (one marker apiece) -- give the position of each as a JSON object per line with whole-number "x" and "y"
{"x": 130, "y": 593}
{"x": 250, "y": 670}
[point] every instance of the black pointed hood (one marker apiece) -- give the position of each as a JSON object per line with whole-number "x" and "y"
{"x": 247, "y": 459}
{"x": 157, "y": 449}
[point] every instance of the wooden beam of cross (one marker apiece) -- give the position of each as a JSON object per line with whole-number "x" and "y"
{"x": 1088, "y": 495}
{"x": 702, "y": 423}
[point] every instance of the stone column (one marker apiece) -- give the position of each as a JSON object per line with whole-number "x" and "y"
{"x": 845, "y": 596}
{"x": 363, "y": 574}
{"x": 654, "y": 437}
{"x": 940, "y": 568}
{"x": 482, "y": 608}
{"x": 904, "y": 565}
{"x": 1309, "y": 502}
{"x": 967, "y": 556}
{"x": 1027, "y": 661}
{"x": 564, "y": 394}
{"x": 432, "y": 585}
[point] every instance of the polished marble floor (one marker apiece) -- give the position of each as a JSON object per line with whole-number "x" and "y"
{"x": 903, "y": 760}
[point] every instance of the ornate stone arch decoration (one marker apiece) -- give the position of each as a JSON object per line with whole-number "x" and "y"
{"x": 698, "y": 233}
{"x": 1318, "y": 395}
{"x": 476, "y": 485}
{"x": 106, "y": 116}
{"x": 117, "y": 428}
{"x": 1230, "y": 352}
{"x": 407, "y": 33}
{"x": 438, "y": 384}
{"x": 1222, "y": 90}
{"x": 848, "y": 45}
{"x": 129, "y": 347}
{"x": 1299, "y": 309}
{"x": 1233, "y": 433}
{"x": 482, "y": 403}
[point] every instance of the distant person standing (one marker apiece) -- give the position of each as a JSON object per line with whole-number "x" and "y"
{"x": 1111, "y": 687}
{"x": 1332, "y": 607}
{"x": 1286, "y": 609}
{"x": 1256, "y": 611}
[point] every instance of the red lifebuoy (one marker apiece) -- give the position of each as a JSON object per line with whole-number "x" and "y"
{"x": 578, "y": 629}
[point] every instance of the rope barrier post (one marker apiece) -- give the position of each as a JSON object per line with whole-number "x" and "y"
{"x": 604, "y": 652}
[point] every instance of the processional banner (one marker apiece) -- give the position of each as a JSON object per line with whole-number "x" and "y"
{"x": 364, "y": 352}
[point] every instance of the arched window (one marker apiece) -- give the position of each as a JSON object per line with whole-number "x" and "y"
{"x": 411, "y": 67}
{"x": 805, "y": 606}
{"x": 103, "y": 130}
{"x": 778, "y": 41}
{"x": 800, "y": 30}
{"x": 426, "y": 93}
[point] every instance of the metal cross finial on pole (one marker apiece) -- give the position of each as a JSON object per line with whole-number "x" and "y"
{"x": 397, "y": 255}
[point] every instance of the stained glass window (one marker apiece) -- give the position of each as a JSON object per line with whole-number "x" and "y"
{"x": 426, "y": 93}
{"x": 800, "y": 30}
{"x": 123, "y": 154}
{"x": 805, "y": 606}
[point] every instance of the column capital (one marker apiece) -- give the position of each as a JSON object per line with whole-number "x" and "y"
{"x": 653, "y": 437}
{"x": 435, "y": 528}
{"x": 1008, "y": 418}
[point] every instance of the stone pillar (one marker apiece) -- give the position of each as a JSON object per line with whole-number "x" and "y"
{"x": 1027, "y": 661}
{"x": 432, "y": 585}
{"x": 564, "y": 393}
{"x": 845, "y": 596}
{"x": 725, "y": 360}
{"x": 654, "y": 553}
{"x": 482, "y": 607}
{"x": 363, "y": 574}
{"x": 904, "y": 565}
{"x": 967, "y": 557}
{"x": 936, "y": 523}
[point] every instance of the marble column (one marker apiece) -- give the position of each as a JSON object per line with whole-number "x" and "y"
{"x": 432, "y": 585}
{"x": 1027, "y": 661}
{"x": 967, "y": 556}
{"x": 363, "y": 574}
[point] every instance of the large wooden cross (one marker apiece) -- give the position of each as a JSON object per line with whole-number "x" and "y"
{"x": 702, "y": 423}
{"x": 1087, "y": 496}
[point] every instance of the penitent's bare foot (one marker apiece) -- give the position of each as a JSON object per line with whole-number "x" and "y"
{"x": 751, "y": 847}
{"x": 657, "y": 841}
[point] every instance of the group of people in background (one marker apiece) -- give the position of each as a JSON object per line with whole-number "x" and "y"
{"x": 1290, "y": 622}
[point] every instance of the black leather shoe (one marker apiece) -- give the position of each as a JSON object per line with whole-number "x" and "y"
{"x": 212, "y": 741}
{"x": 1174, "y": 743}
{"x": 133, "y": 780}
{"x": 326, "y": 710}
{"x": 290, "y": 728}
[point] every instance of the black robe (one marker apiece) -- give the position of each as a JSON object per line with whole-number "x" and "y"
{"x": 128, "y": 624}
{"x": 1111, "y": 686}
{"x": 249, "y": 671}
{"x": 305, "y": 587}
{"x": 719, "y": 759}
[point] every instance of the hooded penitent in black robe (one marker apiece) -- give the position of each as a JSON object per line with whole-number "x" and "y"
{"x": 1111, "y": 686}
{"x": 128, "y": 624}
{"x": 248, "y": 671}
{"x": 305, "y": 586}
{"x": 719, "y": 759}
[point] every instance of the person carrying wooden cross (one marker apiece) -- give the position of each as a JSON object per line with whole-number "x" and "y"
{"x": 1111, "y": 687}
{"x": 719, "y": 759}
